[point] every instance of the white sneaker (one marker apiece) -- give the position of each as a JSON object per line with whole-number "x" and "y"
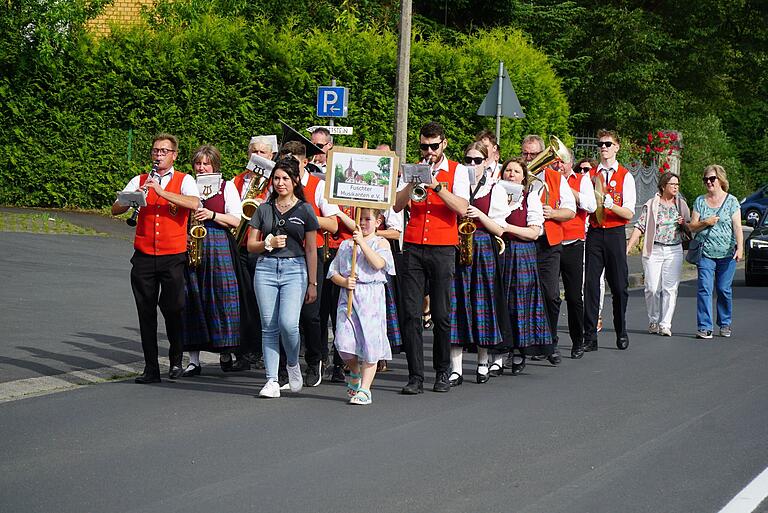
{"x": 270, "y": 390}
{"x": 294, "y": 378}
{"x": 704, "y": 334}
{"x": 725, "y": 331}
{"x": 665, "y": 332}
{"x": 653, "y": 328}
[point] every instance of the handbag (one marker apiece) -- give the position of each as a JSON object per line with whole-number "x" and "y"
{"x": 696, "y": 246}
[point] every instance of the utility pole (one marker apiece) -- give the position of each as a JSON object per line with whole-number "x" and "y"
{"x": 403, "y": 78}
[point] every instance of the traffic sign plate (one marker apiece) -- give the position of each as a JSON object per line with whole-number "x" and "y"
{"x": 332, "y": 102}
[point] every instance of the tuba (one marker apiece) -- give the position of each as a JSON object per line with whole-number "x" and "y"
{"x": 197, "y": 233}
{"x": 555, "y": 151}
{"x": 261, "y": 169}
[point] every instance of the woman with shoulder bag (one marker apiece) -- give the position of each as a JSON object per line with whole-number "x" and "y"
{"x": 664, "y": 222}
{"x": 717, "y": 220}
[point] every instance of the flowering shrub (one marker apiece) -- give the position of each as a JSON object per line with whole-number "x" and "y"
{"x": 661, "y": 144}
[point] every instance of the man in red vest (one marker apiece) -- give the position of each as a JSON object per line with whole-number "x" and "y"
{"x": 559, "y": 206}
{"x": 429, "y": 253}
{"x": 606, "y": 246}
{"x": 572, "y": 258}
{"x": 161, "y": 253}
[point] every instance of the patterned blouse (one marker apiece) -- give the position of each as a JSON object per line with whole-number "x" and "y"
{"x": 667, "y": 229}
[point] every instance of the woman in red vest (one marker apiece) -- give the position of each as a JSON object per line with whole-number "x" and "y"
{"x": 212, "y": 307}
{"x": 478, "y": 313}
{"x": 520, "y": 277}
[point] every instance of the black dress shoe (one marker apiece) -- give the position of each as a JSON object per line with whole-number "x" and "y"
{"x": 241, "y": 364}
{"x": 577, "y": 351}
{"x": 176, "y": 372}
{"x": 337, "y": 375}
{"x": 456, "y": 379}
{"x": 148, "y": 377}
{"x": 192, "y": 370}
{"x": 227, "y": 365}
{"x": 554, "y": 358}
{"x": 480, "y": 377}
{"x": 590, "y": 345}
{"x": 495, "y": 370}
{"x": 622, "y": 342}
{"x": 441, "y": 383}
{"x": 413, "y": 387}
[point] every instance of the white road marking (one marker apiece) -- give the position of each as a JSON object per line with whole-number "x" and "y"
{"x": 747, "y": 500}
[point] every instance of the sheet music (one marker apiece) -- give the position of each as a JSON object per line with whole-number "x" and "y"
{"x": 417, "y": 173}
{"x": 208, "y": 184}
{"x": 131, "y": 199}
{"x": 260, "y": 165}
{"x": 514, "y": 191}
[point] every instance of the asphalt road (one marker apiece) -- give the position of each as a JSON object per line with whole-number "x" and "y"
{"x": 671, "y": 425}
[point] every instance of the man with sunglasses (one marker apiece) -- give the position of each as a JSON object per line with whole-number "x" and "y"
{"x": 157, "y": 275}
{"x": 572, "y": 258}
{"x": 429, "y": 252}
{"x": 606, "y": 242}
{"x": 323, "y": 139}
{"x": 559, "y": 206}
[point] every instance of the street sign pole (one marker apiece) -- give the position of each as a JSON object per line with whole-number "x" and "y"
{"x": 333, "y": 84}
{"x": 499, "y": 96}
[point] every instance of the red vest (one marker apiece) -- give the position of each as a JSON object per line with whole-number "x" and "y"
{"x": 573, "y": 229}
{"x": 616, "y": 189}
{"x": 161, "y": 228}
{"x": 552, "y": 229}
{"x": 309, "y": 195}
{"x": 432, "y": 222}
{"x": 344, "y": 233}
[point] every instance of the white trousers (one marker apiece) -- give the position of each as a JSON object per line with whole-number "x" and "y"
{"x": 662, "y": 276}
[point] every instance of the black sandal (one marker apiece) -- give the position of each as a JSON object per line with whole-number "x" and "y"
{"x": 457, "y": 381}
{"x": 426, "y": 320}
{"x": 495, "y": 370}
{"x": 480, "y": 377}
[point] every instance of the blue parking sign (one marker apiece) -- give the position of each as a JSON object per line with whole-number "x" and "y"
{"x": 332, "y": 102}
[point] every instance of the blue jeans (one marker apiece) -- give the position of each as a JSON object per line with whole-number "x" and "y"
{"x": 715, "y": 272}
{"x": 280, "y": 285}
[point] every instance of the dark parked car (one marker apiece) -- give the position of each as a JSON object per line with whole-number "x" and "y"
{"x": 753, "y": 206}
{"x": 756, "y": 252}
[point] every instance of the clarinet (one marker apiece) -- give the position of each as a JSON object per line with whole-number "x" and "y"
{"x": 131, "y": 221}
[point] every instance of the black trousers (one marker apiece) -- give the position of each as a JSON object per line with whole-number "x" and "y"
{"x": 250, "y": 320}
{"x": 548, "y": 263}
{"x": 309, "y": 320}
{"x": 328, "y": 310}
{"x": 159, "y": 281}
{"x": 435, "y": 266}
{"x": 572, "y": 271}
{"x": 606, "y": 248}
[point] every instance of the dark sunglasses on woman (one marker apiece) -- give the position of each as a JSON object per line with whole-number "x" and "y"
{"x": 584, "y": 169}
{"x": 473, "y": 161}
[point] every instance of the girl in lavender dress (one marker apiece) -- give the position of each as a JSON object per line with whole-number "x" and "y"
{"x": 361, "y": 338}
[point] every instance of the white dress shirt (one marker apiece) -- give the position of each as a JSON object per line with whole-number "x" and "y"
{"x": 188, "y": 184}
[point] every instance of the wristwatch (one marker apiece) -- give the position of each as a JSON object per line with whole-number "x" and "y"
{"x": 268, "y": 242}
{"x": 438, "y": 188}
{"x": 313, "y": 283}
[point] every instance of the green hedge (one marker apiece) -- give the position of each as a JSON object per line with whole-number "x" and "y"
{"x": 67, "y": 117}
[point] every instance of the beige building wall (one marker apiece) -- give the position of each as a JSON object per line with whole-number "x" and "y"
{"x": 120, "y": 12}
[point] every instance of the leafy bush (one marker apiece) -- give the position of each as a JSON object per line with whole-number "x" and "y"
{"x": 72, "y": 120}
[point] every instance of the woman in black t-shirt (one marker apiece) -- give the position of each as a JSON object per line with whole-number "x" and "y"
{"x": 283, "y": 235}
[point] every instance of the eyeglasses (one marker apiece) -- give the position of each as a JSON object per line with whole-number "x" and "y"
{"x": 432, "y": 146}
{"x": 584, "y": 169}
{"x": 162, "y": 151}
{"x": 607, "y": 144}
{"x": 527, "y": 154}
{"x": 710, "y": 179}
{"x": 473, "y": 161}
{"x": 674, "y": 184}
{"x": 322, "y": 145}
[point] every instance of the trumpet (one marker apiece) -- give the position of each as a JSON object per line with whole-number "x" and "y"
{"x": 418, "y": 193}
{"x": 197, "y": 233}
{"x": 131, "y": 221}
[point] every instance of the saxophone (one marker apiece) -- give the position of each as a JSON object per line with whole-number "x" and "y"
{"x": 249, "y": 205}
{"x": 197, "y": 233}
{"x": 467, "y": 228}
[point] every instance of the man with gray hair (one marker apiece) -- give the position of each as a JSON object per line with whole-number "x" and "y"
{"x": 559, "y": 206}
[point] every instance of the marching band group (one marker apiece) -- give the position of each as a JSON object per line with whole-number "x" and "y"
{"x": 251, "y": 267}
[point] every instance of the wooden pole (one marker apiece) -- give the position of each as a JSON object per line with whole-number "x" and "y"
{"x": 350, "y": 292}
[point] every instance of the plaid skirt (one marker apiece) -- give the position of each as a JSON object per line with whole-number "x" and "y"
{"x": 473, "y": 307}
{"x": 211, "y": 317}
{"x": 393, "y": 325}
{"x": 525, "y": 300}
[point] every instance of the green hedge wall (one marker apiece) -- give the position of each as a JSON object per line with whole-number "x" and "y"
{"x": 64, "y": 141}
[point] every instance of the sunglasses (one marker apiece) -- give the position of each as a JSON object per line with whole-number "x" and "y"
{"x": 709, "y": 179}
{"x": 584, "y": 169}
{"x": 473, "y": 161}
{"x": 432, "y": 146}
{"x": 607, "y": 144}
